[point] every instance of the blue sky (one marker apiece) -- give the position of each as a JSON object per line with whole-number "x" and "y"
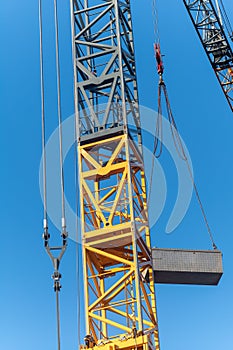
{"x": 189, "y": 317}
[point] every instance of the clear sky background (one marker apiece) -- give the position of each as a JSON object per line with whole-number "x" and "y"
{"x": 192, "y": 317}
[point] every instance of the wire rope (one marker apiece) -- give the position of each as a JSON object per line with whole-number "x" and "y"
{"x": 158, "y": 141}
{"x": 77, "y": 248}
{"x": 155, "y": 21}
{"x": 58, "y": 321}
{"x": 77, "y": 242}
{"x": 59, "y": 114}
{"x": 158, "y": 137}
{"x": 45, "y": 221}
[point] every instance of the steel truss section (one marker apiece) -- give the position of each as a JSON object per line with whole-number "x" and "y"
{"x": 105, "y": 66}
{"x": 119, "y": 286}
{"x": 214, "y": 41}
{"x": 120, "y": 305}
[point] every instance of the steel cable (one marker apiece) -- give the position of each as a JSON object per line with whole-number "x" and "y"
{"x": 63, "y": 219}
{"x": 77, "y": 250}
{"x": 58, "y": 321}
{"x": 45, "y": 222}
{"x": 155, "y": 21}
{"x": 59, "y": 115}
{"x": 77, "y": 242}
{"x": 158, "y": 141}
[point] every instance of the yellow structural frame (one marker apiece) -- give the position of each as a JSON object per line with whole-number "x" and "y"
{"x": 119, "y": 294}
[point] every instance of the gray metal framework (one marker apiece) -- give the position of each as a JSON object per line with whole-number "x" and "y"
{"x": 106, "y": 84}
{"x": 213, "y": 38}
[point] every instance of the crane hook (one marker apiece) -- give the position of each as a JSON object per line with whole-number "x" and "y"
{"x": 158, "y": 56}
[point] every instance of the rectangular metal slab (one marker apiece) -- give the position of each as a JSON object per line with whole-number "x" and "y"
{"x": 180, "y": 266}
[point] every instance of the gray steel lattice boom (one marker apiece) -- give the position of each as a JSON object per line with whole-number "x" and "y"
{"x": 105, "y": 66}
{"x": 214, "y": 41}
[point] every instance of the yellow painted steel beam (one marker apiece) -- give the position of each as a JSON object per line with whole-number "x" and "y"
{"x": 111, "y": 290}
{"x": 118, "y": 239}
{"x": 110, "y": 256}
{"x": 112, "y": 323}
{"x": 119, "y": 312}
{"x": 92, "y": 199}
{"x": 116, "y": 201}
{"x": 97, "y": 286}
{"x": 115, "y": 168}
{"x": 124, "y": 227}
{"x": 90, "y": 159}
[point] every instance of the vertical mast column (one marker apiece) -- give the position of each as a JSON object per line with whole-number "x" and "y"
{"x": 120, "y": 308}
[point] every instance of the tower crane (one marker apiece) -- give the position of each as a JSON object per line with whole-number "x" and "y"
{"x": 119, "y": 275}
{"x": 120, "y": 303}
